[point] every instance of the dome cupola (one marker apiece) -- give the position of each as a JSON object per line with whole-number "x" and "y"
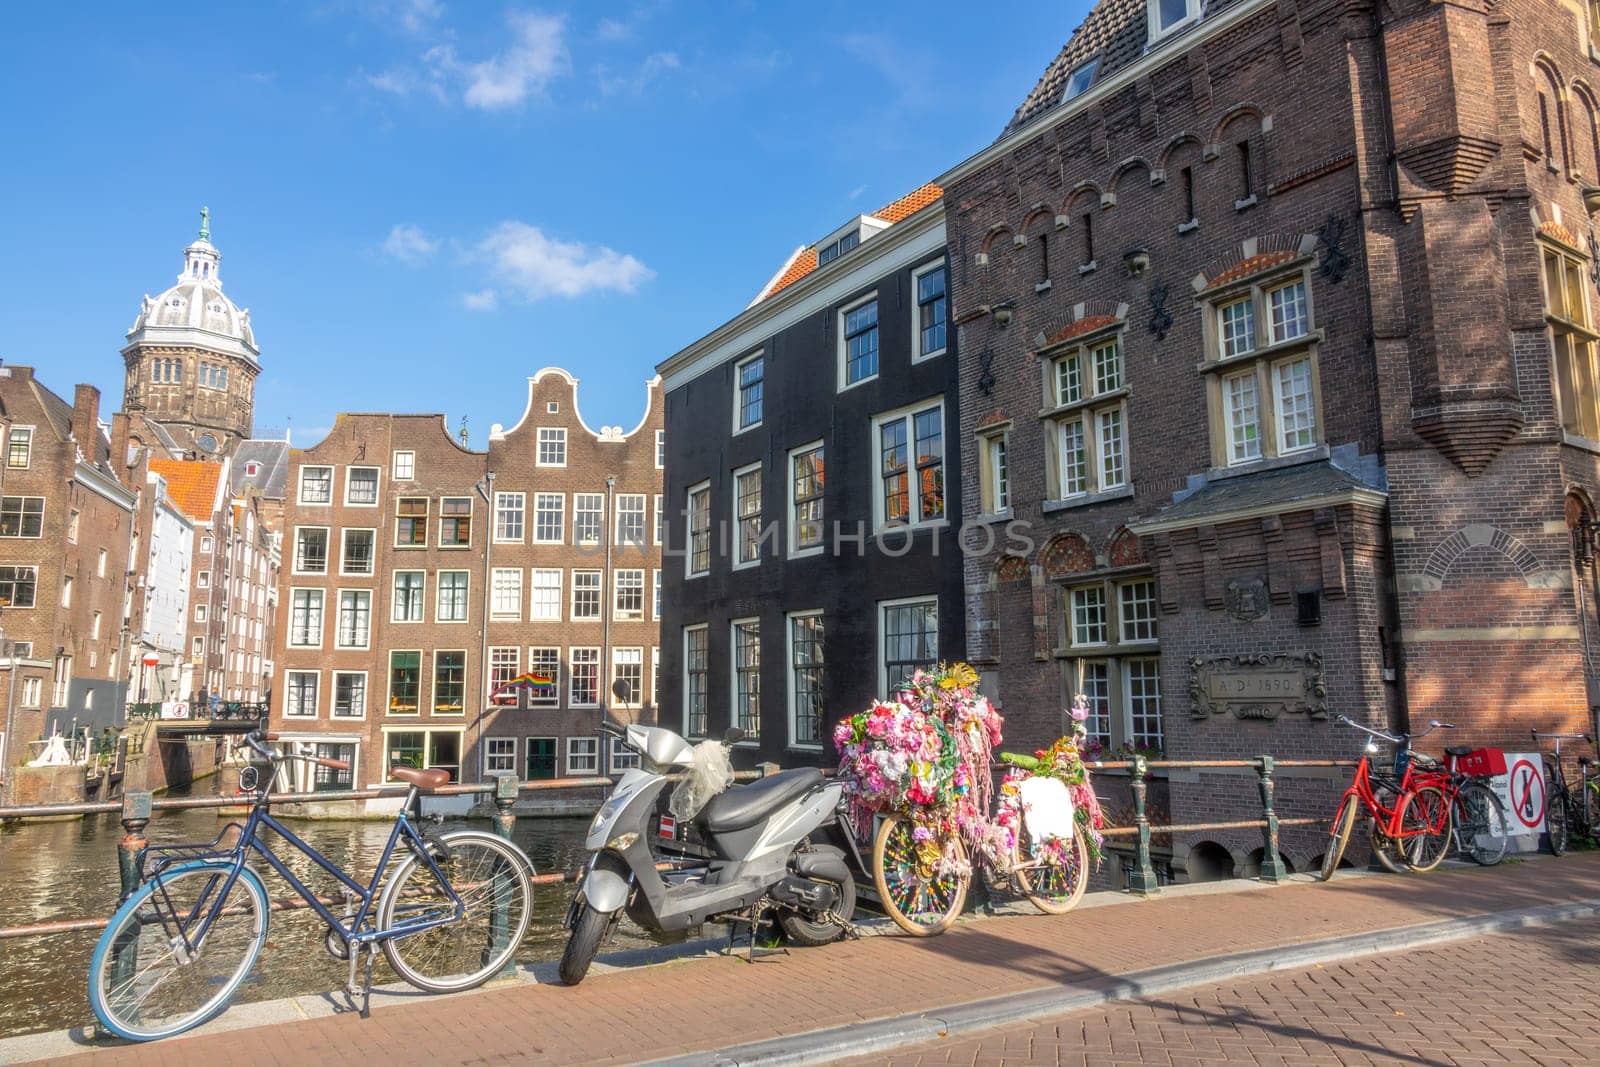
{"x": 194, "y": 313}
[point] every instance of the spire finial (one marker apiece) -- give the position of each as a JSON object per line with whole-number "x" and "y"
{"x": 205, "y": 224}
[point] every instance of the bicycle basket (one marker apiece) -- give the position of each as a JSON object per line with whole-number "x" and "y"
{"x": 1480, "y": 762}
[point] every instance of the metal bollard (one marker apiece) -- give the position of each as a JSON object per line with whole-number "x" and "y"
{"x": 506, "y": 786}
{"x": 1272, "y": 868}
{"x": 130, "y": 866}
{"x": 1143, "y": 880}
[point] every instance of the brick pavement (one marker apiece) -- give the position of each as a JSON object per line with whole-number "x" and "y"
{"x": 1527, "y": 997}
{"x": 711, "y": 1003}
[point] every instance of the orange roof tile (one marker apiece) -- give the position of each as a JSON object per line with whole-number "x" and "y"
{"x": 192, "y": 484}
{"x": 803, "y": 264}
{"x": 894, "y": 211}
{"x": 1246, "y": 267}
{"x": 1087, "y": 324}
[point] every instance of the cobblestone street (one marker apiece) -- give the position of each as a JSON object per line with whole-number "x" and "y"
{"x": 1527, "y": 997}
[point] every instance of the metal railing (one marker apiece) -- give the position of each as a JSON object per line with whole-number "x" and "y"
{"x": 243, "y": 711}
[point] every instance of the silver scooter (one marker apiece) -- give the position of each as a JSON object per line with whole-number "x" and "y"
{"x": 762, "y": 861}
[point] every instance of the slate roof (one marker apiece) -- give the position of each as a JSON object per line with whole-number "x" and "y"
{"x": 165, "y": 439}
{"x": 1114, "y": 33}
{"x": 804, "y": 261}
{"x": 272, "y": 474}
{"x": 192, "y": 485}
{"x": 1280, "y": 488}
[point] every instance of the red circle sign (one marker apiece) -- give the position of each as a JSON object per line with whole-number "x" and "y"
{"x": 1527, "y": 792}
{"x": 151, "y": 661}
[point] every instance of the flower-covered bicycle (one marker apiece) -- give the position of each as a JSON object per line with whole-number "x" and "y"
{"x": 923, "y": 791}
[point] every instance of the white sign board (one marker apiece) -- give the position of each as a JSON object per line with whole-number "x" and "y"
{"x": 1522, "y": 791}
{"x": 175, "y": 709}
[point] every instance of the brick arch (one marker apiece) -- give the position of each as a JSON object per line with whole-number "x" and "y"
{"x": 1482, "y": 535}
{"x": 1125, "y": 170}
{"x": 1172, "y": 146}
{"x": 1067, "y": 553}
{"x": 1011, "y": 569}
{"x": 1232, "y": 115}
{"x": 1579, "y": 505}
{"x": 1083, "y": 318}
{"x": 1124, "y": 549}
{"x": 1544, "y": 62}
{"x": 1038, "y": 211}
{"x": 1252, "y": 255}
{"x": 993, "y": 235}
{"x": 1082, "y": 193}
{"x": 1585, "y": 122}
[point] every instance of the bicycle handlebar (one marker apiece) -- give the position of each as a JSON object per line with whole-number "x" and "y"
{"x": 1563, "y": 737}
{"x": 1348, "y": 721}
{"x": 255, "y": 737}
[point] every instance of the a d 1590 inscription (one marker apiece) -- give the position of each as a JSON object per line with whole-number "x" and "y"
{"x": 1258, "y": 685}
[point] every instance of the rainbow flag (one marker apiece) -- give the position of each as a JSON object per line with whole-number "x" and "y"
{"x": 534, "y": 681}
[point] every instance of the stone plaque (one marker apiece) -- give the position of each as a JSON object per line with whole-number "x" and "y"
{"x": 1246, "y": 598}
{"x": 1258, "y": 685}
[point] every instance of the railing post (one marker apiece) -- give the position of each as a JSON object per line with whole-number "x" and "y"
{"x": 1272, "y": 868}
{"x": 505, "y": 820}
{"x": 1143, "y": 880}
{"x": 130, "y": 864}
{"x": 767, "y": 769}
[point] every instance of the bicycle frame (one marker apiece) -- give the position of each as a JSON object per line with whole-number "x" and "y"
{"x": 1388, "y": 819}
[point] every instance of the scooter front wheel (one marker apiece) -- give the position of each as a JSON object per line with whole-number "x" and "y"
{"x": 587, "y": 933}
{"x": 921, "y": 899}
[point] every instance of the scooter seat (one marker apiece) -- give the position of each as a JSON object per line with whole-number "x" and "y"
{"x": 746, "y": 805}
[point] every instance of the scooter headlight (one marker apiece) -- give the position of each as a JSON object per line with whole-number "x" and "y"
{"x": 607, "y": 811}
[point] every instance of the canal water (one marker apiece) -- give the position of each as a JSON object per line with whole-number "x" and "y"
{"x": 68, "y": 870}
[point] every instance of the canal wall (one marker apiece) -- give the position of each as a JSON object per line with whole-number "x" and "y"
{"x": 149, "y": 763}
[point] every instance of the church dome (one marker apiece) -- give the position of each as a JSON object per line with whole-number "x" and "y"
{"x": 195, "y": 313}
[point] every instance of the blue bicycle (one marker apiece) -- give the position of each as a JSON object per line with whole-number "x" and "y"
{"x": 449, "y": 917}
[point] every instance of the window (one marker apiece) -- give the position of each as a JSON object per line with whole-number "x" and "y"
{"x": 1189, "y": 214}
{"x": 361, "y": 486}
{"x": 747, "y": 516}
{"x": 661, "y": 521}
{"x": 1088, "y": 616}
{"x": 549, "y": 517}
{"x": 505, "y": 598}
{"x": 404, "y": 468}
{"x": 203, "y": 579}
{"x": 629, "y": 593}
{"x": 411, "y": 521}
{"x": 696, "y": 679}
{"x": 1079, "y": 79}
{"x": 316, "y": 485}
{"x": 18, "y": 586}
{"x": 1087, "y": 388}
{"x": 748, "y": 381}
{"x": 1165, "y": 16}
{"x": 552, "y": 446}
{"x": 807, "y": 712}
{"x": 305, "y": 618}
{"x": 32, "y": 691}
{"x": 449, "y": 683}
{"x": 503, "y": 664}
{"x": 586, "y": 588}
{"x": 408, "y": 594}
{"x": 349, "y": 694}
{"x": 584, "y": 672}
{"x": 300, "y": 695}
{"x": 499, "y": 755}
{"x": 205, "y": 545}
{"x": 355, "y": 618}
{"x": 910, "y": 467}
{"x": 655, "y": 612}
{"x": 1120, "y": 677}
{"x": 359, "y": 546}
{"x": 72, "y": 526}
{"x": 1236, "y": 326}
{"x": 94, "y": 628}
{"x": 19, "y": 447}
{"x": 627, "y": 667}
{"x": 423, "y": 749}
{"x": 746, "y": 642}
{"x": 994, "y": 472}
{"x": 541, "y": 760}
{"x": 100, "y": 564}
{"x": 698, "y": 511}
{"x": 1244, "y": 417}
{"x": 623, "y": 758}
{"x": 1569, "y": 315}
{"x": 834, "y": 249}
{"x": 661, "y": 449}
{"x": 1088, "y": 244}
{"x": 455, "y": 521}
{"x": 545, "y": 664}
{"x": 197, "y": 650}
{"x": 933, "y": 310}
{"x": 631, "y": 519}
{"x": 508, "y": 514}
{"x": 588, "y": 518}
{"x": 1287, "y": 304}
{"x": 452, "y": 605}
{"x": 405, "y": 682}
{"x": 1137, "y": 611}
{"x": 858, "y": 345}
{"x": 583, "y": 755}
{"x": 806, "y": 487}
{"x": 1296, "y": 404}
{"x": 1264, "y": 397}
{"x": 546, "y": 606}
{"x": 22, "y": 516}
{"x": 200, "y": 613}
{"x": 311, "y": 550}
{"x": 908, "y": 639}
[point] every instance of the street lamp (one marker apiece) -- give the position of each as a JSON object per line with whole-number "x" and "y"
{"x": 485, "y": 489}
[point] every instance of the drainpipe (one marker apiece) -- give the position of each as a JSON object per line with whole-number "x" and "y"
{"x": 486, "y": 490}
{"x": 608, "y": 599}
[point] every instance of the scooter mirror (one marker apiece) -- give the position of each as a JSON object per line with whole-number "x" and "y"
{"x": 733, "y": 736}
{"x": 622, "y": 691}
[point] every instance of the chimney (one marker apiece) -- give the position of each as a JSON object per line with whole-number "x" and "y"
{"x": 85, "y": 418}
{"x": 119, "y": 442}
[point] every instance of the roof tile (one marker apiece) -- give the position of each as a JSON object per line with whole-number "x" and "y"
{"x": 1246, "y": 267}
{"x": 192, "y": 484}
{"x": 894, "y": 211}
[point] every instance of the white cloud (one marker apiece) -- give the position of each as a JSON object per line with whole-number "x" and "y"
{"x": 409, "y": 244}
{"x": 524, "y": 262}
{"x": 654, "y": 66}
{"x": 613, "y": 30}
{"x": 537, "y": 56}
{"x": 856, "y": 192}
{"x": 482, "y": 300}
{"x": 414, "y": 17}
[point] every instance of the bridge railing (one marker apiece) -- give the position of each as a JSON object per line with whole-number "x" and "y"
{"x": 137, "y": 808}
{"x": 248, "y": 711}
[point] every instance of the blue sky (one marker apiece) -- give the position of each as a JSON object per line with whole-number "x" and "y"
{"x": 423, "y": 202}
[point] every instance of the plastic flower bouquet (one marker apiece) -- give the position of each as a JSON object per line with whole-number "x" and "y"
{"x": 1063, "y": 761}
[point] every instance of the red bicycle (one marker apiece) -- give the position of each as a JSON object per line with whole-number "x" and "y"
{"x": 1415, "y": 830}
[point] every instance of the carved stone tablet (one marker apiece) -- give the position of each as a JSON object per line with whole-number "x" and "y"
{"x": 1258, "y": 685}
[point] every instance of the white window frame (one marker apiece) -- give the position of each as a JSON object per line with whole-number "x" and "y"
{"x": 623, "y": 758}
{"x": 688, "y": 529}
{"x": 471, "y": 517}
{"x": 433, "y": 698}
{"x": 488, "y": 745}
{"x": 791, "y": 696}
{"x": 734, "y": 672}
{"x": 438, "y": 590}
{"x": 792, "y": 527}
{"x": 300, "y": 492}
{"x": 660, "y": 530}
{"x": 377, "y": 485}
{"x": 739, "y": 560}
{"x": 1074, "y": 88}
{"x": 994, "y": 471}
{"x": 917, "y": 354}
{"x": 882, "y": 607}
{"x": 1153, "y": 20}
{"x": 495, "y": 611}
{"x": 644, "y": 520}
{"x": 394, "y": 597}
{"x": 688, "y": 723}
{"x": 739, "y": 426}
{"x": 638, "y": 690}
{"x": 411, "y": 465}
{"x": 316, "y": 695}
{"x": 661, "y": 449}
{"x": 344, "y": 534}
{"x": 655, "y": 594}
{"x": 575, "y": 770}
{"x": 1230, "y": 433}
{"x": 27, "y": 432}
{"x": 333, "y": 696}
{"x": 502, "y": 505}
{"x": 557, "y": 436}
{"x": 533, "y": 596}
{"x": 599, "y": 590}
{"x": 322, "y": 615}
{"x": 842, "y": 348}
{"x": 327, "y": 549}
{"x": 338, "y": 622}
{"x": 561, "y": 516}
{"x": 908, "y": 415}
{"x": 617, "y": 587}
{"x": 572, "y": 675}
{"x": 554, "y": 700}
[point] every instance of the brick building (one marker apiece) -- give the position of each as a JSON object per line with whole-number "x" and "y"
{"x": 1283, "y": 316}
{"x": 813, "y": 481}
{"x": 401, "y": 541}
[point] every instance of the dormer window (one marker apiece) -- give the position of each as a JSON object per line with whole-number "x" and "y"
{"x": 1169, "y": 15}
{"x": 834, "y": 249}
{"x": 1080, "y": 79}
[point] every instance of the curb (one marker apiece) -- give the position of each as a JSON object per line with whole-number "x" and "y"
{"x": 884, "y": 1035}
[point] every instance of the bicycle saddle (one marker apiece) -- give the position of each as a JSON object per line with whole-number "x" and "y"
{"x": 1584, "y": 761}
{"x": 1459, "y": 750}
{"x": 432, "y": 778}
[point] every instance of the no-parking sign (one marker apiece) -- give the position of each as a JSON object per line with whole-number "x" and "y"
{"x": 1522, "y": 791}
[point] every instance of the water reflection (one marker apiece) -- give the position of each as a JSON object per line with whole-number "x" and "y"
{"x": 68, "y": 870}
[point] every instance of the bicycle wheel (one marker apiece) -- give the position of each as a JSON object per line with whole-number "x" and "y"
{"x": 490, "y": 875}
{"x": 1555, "y": 821}
{"x": 1425, "y": 828}
{"x": 921, "y": 900}
{"x": 1386, "y": 850}
{"x": 1481, "y": 823}
{"x": 1339, "y": 836}
{"x": 1057, "y": 884}
{"x": 1593, "y": 795}
{"x": 159, "y": 969}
